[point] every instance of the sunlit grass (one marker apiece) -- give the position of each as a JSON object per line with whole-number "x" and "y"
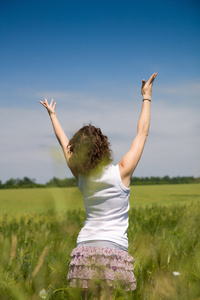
{"x": 164, "y": 194}
{"x": 20, "y": 201}
{"x": 35, "y": 253}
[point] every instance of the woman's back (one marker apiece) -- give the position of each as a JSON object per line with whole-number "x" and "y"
{"x": 106, "y": 202}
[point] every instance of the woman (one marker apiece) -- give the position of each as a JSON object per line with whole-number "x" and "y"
{"x": 101, "y": 253}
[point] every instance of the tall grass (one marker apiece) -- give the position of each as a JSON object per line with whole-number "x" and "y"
{"x": 35, "y": 254}
{"x": 19, "y": 201}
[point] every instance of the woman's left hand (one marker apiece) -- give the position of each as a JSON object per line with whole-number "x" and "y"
{"x": 146, "y": 89}
{"x": 50, "y": 107}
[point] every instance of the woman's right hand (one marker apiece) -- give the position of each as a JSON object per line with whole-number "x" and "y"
{"x": 146, "y": 88}
{"x": 50, "y": 107}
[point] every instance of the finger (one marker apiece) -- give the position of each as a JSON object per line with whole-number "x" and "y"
{"x": 46, "y": 102}
{"x": 151, "y": 79}
{"x": 143, "y": 82}
{"x": 54, "y": 105}
{"x": 51, "y": 103}
{"x": 43, "y": 103}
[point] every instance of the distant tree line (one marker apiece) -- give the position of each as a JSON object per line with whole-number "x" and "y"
{"x": 30, "y": 183}
{"x": 71, "y": 182}
{"x": 163, "y": 180}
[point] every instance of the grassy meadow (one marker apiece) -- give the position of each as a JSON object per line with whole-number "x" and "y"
{"x": 40, "y": 200}
{"x": 39, "y": 227}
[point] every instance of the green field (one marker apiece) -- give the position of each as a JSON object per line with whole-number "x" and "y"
{"x": 39, "y": 227}
{"x": 19, "y": 201}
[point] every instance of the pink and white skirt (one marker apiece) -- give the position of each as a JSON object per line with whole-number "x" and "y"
{"x": 109, "y": 266}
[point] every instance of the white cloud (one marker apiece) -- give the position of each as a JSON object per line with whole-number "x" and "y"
{"x": 28, "y": 144}
{"x": 186, "y": 93}
{"x": 180, "y": 89}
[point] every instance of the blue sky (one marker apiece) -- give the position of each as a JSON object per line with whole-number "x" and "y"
{"x": 90, "y": 56}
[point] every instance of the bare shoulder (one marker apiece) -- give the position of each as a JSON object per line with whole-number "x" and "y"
{"x": 68, "y": 155}
{"x": 129, "y": 161}
{"x": 125, "y": 180}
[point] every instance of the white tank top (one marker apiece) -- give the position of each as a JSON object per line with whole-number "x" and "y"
{"x": 106, "y": 202}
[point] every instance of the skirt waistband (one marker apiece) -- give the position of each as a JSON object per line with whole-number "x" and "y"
{"x": 102, "y": 243}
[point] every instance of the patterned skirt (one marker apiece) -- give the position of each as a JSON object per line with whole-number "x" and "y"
{"x": 101, "y": 265}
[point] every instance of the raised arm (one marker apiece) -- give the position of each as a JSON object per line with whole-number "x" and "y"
{"x": 130, "y": 160}
{"x": 59, "y": 132}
